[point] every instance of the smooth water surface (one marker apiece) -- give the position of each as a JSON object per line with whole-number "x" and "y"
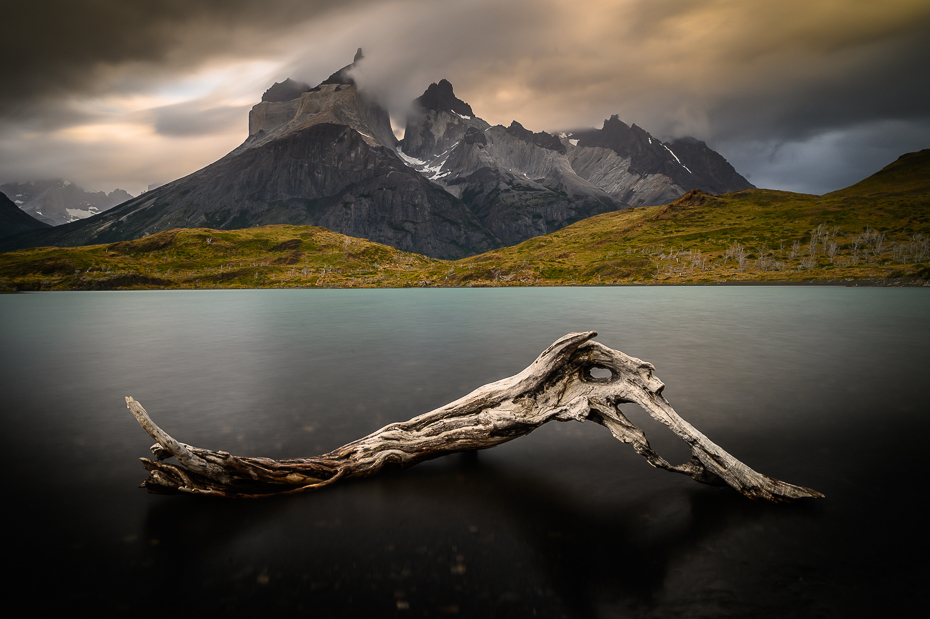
{"x": 823, "y": 387}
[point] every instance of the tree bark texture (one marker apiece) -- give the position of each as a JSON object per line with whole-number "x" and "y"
{"x": 559, "y": 385}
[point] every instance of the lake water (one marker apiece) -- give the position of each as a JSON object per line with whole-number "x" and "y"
{"x": 819, "y": 386}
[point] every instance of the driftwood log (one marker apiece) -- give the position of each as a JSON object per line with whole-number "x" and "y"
{"x": 573, "y": 380}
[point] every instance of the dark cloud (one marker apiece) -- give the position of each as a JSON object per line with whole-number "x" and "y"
{"x": 830, "y": 160}
{"x": 879, "y": 80}
{"x": 62, "y": 47}
{"x": 778, "y": 88}
{"x": 197, "y": 117}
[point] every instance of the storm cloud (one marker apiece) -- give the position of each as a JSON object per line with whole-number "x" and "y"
{"x": 806, "y": 95}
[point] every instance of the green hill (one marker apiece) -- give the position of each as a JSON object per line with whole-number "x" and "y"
{"x": 874, "y": 231}
{"x": 910, "y": 174}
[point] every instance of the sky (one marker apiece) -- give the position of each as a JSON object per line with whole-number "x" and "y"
{"x": 799, "y": 95}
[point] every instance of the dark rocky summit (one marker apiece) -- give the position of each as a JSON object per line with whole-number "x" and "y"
{"x": 542, "y": 139}
{"x": 285, "y": 91}
{"x": 715, "y": 173}
{"x": 441, "y": 98}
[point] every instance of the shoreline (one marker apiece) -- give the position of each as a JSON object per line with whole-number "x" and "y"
{"x": 863, "y": 283}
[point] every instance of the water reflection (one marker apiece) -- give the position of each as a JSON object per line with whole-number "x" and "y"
{"x": 470, "y": 536}
{"x": 566, "y": 522}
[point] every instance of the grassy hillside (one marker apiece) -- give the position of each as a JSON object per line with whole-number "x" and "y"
{"x": 876, "y": 231}
{"x": 263, "y": 257}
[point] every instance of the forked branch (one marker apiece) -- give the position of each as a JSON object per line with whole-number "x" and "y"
{"x": 559, "y": 385}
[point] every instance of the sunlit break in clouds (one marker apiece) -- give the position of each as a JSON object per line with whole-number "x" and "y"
{"x": 800, "y": 95}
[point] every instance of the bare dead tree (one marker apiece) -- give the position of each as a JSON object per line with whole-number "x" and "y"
{"x": 559, "y": 385}
{"x": 919, "y": 248}
{"x": 830, "y": 248}
{"x": 766, "y": 259}
{"x": 700, "y": 260}
{"x": 878, "y": 243}
{"x": 697, "y": 260}
{"x": 731, "y": 251}
{"x": 741, "y": 257}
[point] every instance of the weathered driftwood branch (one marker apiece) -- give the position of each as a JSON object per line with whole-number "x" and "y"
{"x": 559, "y": 386}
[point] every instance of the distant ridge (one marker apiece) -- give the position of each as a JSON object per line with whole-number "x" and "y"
{"x": 58, "y": 201}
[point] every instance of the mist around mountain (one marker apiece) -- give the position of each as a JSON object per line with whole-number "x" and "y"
{"x": 456, "y": 186}
{"x": 58, "y": 201}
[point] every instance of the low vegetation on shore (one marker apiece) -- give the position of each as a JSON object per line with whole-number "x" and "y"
{"x": 876, "y": 232}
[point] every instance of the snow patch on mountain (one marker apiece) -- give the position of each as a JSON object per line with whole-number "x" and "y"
{"x": 675, "y": 156}
{"x": 75, "y": 213}
{"x": 412, "y": 162}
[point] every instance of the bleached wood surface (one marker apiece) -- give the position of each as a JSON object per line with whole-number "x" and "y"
{"x": 558, "y": 385}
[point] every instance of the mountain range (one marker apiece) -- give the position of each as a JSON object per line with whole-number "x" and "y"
{"x": 454, "y": 186}
{"x": 58, "y": 201}
{"x": 874, "y": 232}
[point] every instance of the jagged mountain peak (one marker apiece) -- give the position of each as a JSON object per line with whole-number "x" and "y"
{"x": 437, "y": 122}
{"x": 441, "y": 97}
{"x": 541, "y": 138}
{"x": 615, "y": 135}
{"x": 614, "y": 122}
{"x": 285, "y": 91}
